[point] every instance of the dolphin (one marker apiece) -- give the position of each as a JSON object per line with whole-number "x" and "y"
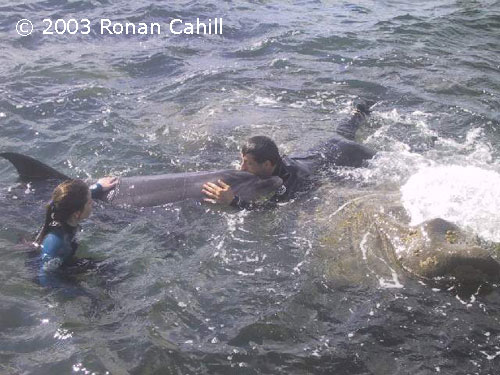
{"x": 156, "y": 190}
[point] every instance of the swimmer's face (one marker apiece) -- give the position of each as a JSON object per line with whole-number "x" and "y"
{"x": 250, "y": 165}
{"x": 87, "y": 209}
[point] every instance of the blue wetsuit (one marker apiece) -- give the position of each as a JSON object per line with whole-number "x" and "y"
{"x": 59, "y": 245}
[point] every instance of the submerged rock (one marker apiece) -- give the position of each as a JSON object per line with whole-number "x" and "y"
{"x": 438, "y": 248}
{"x": 369, "y": 240}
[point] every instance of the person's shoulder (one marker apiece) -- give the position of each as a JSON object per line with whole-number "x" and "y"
{"x": 52, "y": 242}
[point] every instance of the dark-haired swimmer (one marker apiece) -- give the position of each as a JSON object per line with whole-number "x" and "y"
{"x": 260, "y": 156}
{"x": 71, "y": 203}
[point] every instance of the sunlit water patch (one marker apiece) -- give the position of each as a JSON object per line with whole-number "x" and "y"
{"x": 466, "y": 196}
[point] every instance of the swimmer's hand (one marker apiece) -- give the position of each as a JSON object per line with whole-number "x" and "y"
{"x": 108, "y": 183}
{"x": 218, "y": 193}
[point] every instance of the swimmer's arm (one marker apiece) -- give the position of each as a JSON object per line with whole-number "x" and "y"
{"x": 103, "y": 185}
{"x": 51, "y": 247}
{"x": 221, "y": 193}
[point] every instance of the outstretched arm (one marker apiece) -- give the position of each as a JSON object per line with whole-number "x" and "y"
{"x": 103, "y": 185}
{"x": 222, "y": 193}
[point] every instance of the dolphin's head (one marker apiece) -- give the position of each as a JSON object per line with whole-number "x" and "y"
{"x": 250, "y": 187}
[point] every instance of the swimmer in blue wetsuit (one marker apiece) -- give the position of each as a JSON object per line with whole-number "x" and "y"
{"x": 71, "y": 203}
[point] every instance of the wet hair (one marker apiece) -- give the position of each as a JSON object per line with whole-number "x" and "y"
{"x": 262, "y": 148}
{"x": 67, "y": 198}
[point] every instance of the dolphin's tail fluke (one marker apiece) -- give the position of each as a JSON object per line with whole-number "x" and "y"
{"x": 30, "y": 169}
{"x": 348, "y": 129}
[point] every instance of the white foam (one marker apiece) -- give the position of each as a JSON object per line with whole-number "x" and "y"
{"x": 265, "y": 102}
{"x": 468, "y": 196}
{"x": 457, "y": 179}
{"x": 390, "y": 284}
{"x": 362, "y": 245}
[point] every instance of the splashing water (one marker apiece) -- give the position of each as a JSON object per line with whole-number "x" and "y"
{"x": 466, "y": 196}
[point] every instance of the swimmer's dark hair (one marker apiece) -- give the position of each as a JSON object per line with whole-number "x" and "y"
{"x": 67, "y": 198}
{"x": 262, "y": 148}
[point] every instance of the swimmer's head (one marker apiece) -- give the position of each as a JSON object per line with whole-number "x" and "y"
{"x": 71, "y": 203}
{"x": 259, "y": 156}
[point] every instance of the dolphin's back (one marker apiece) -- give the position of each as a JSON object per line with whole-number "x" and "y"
{"x": 148, "y": 191}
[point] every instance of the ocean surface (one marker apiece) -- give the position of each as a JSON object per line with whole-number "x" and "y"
{"x": 191, "y": 288}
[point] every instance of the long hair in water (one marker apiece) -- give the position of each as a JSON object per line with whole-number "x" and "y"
{"x": 68, "y": 197}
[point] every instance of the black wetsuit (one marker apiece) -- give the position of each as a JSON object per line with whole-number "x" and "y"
{"x": 295, "y": 174}
{"x": 296, "y": 171}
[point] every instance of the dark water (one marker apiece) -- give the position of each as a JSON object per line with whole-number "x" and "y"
{"x": 190, "y": 288}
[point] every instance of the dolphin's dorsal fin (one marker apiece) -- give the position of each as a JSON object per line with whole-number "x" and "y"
{"x": 30, "y": 169}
